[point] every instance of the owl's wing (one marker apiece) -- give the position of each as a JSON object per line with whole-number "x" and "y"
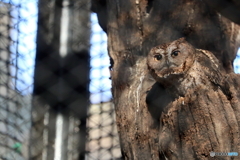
{"x": 213, "y": 70}
{"x": 210, "y": 65}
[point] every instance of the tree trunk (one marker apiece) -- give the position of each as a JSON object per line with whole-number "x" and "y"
{"x": 133, "y": 28}
{"x": 229, "y": 9}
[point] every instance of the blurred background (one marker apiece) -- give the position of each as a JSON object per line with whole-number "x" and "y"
{"x": 26, "y": 126}
{"x": 71, "y": 50}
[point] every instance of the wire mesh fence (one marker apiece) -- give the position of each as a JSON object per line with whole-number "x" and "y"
{"x": 103, "y": 142}
{"x": 16, "y": 46}
{"x": 68, "y": 113}
{"x": 31, "y": 127}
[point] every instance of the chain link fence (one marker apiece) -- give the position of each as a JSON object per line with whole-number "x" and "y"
{"x": 103, "y": 142}
{"x": 68, "y": 113}
{"x": 31, "y": 127}
{"x": 16, "y": 47}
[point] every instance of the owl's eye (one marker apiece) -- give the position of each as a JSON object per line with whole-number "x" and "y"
{"x": 158, "y": 57}
{"x": 175, "y": 53}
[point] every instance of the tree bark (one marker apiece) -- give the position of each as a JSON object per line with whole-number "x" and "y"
{"x": 229, "y": 9}
{"x": 133, "y": 28}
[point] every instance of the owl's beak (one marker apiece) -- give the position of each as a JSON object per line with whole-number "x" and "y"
{"x": 167, "y": 63}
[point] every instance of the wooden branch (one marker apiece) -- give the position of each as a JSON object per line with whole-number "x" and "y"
{"x": 229, "y": 9}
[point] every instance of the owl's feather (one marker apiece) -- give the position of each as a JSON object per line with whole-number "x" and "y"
{"x": 190, "y": 69}
{"x": 205, "y": 103}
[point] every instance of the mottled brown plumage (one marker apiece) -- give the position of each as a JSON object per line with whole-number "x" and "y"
{"x": 204, "y": 111}
{"x": 180, "y": 67}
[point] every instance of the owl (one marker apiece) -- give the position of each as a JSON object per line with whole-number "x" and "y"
{"x": 179, "y": 66}
{"x": 203, "y": 115}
